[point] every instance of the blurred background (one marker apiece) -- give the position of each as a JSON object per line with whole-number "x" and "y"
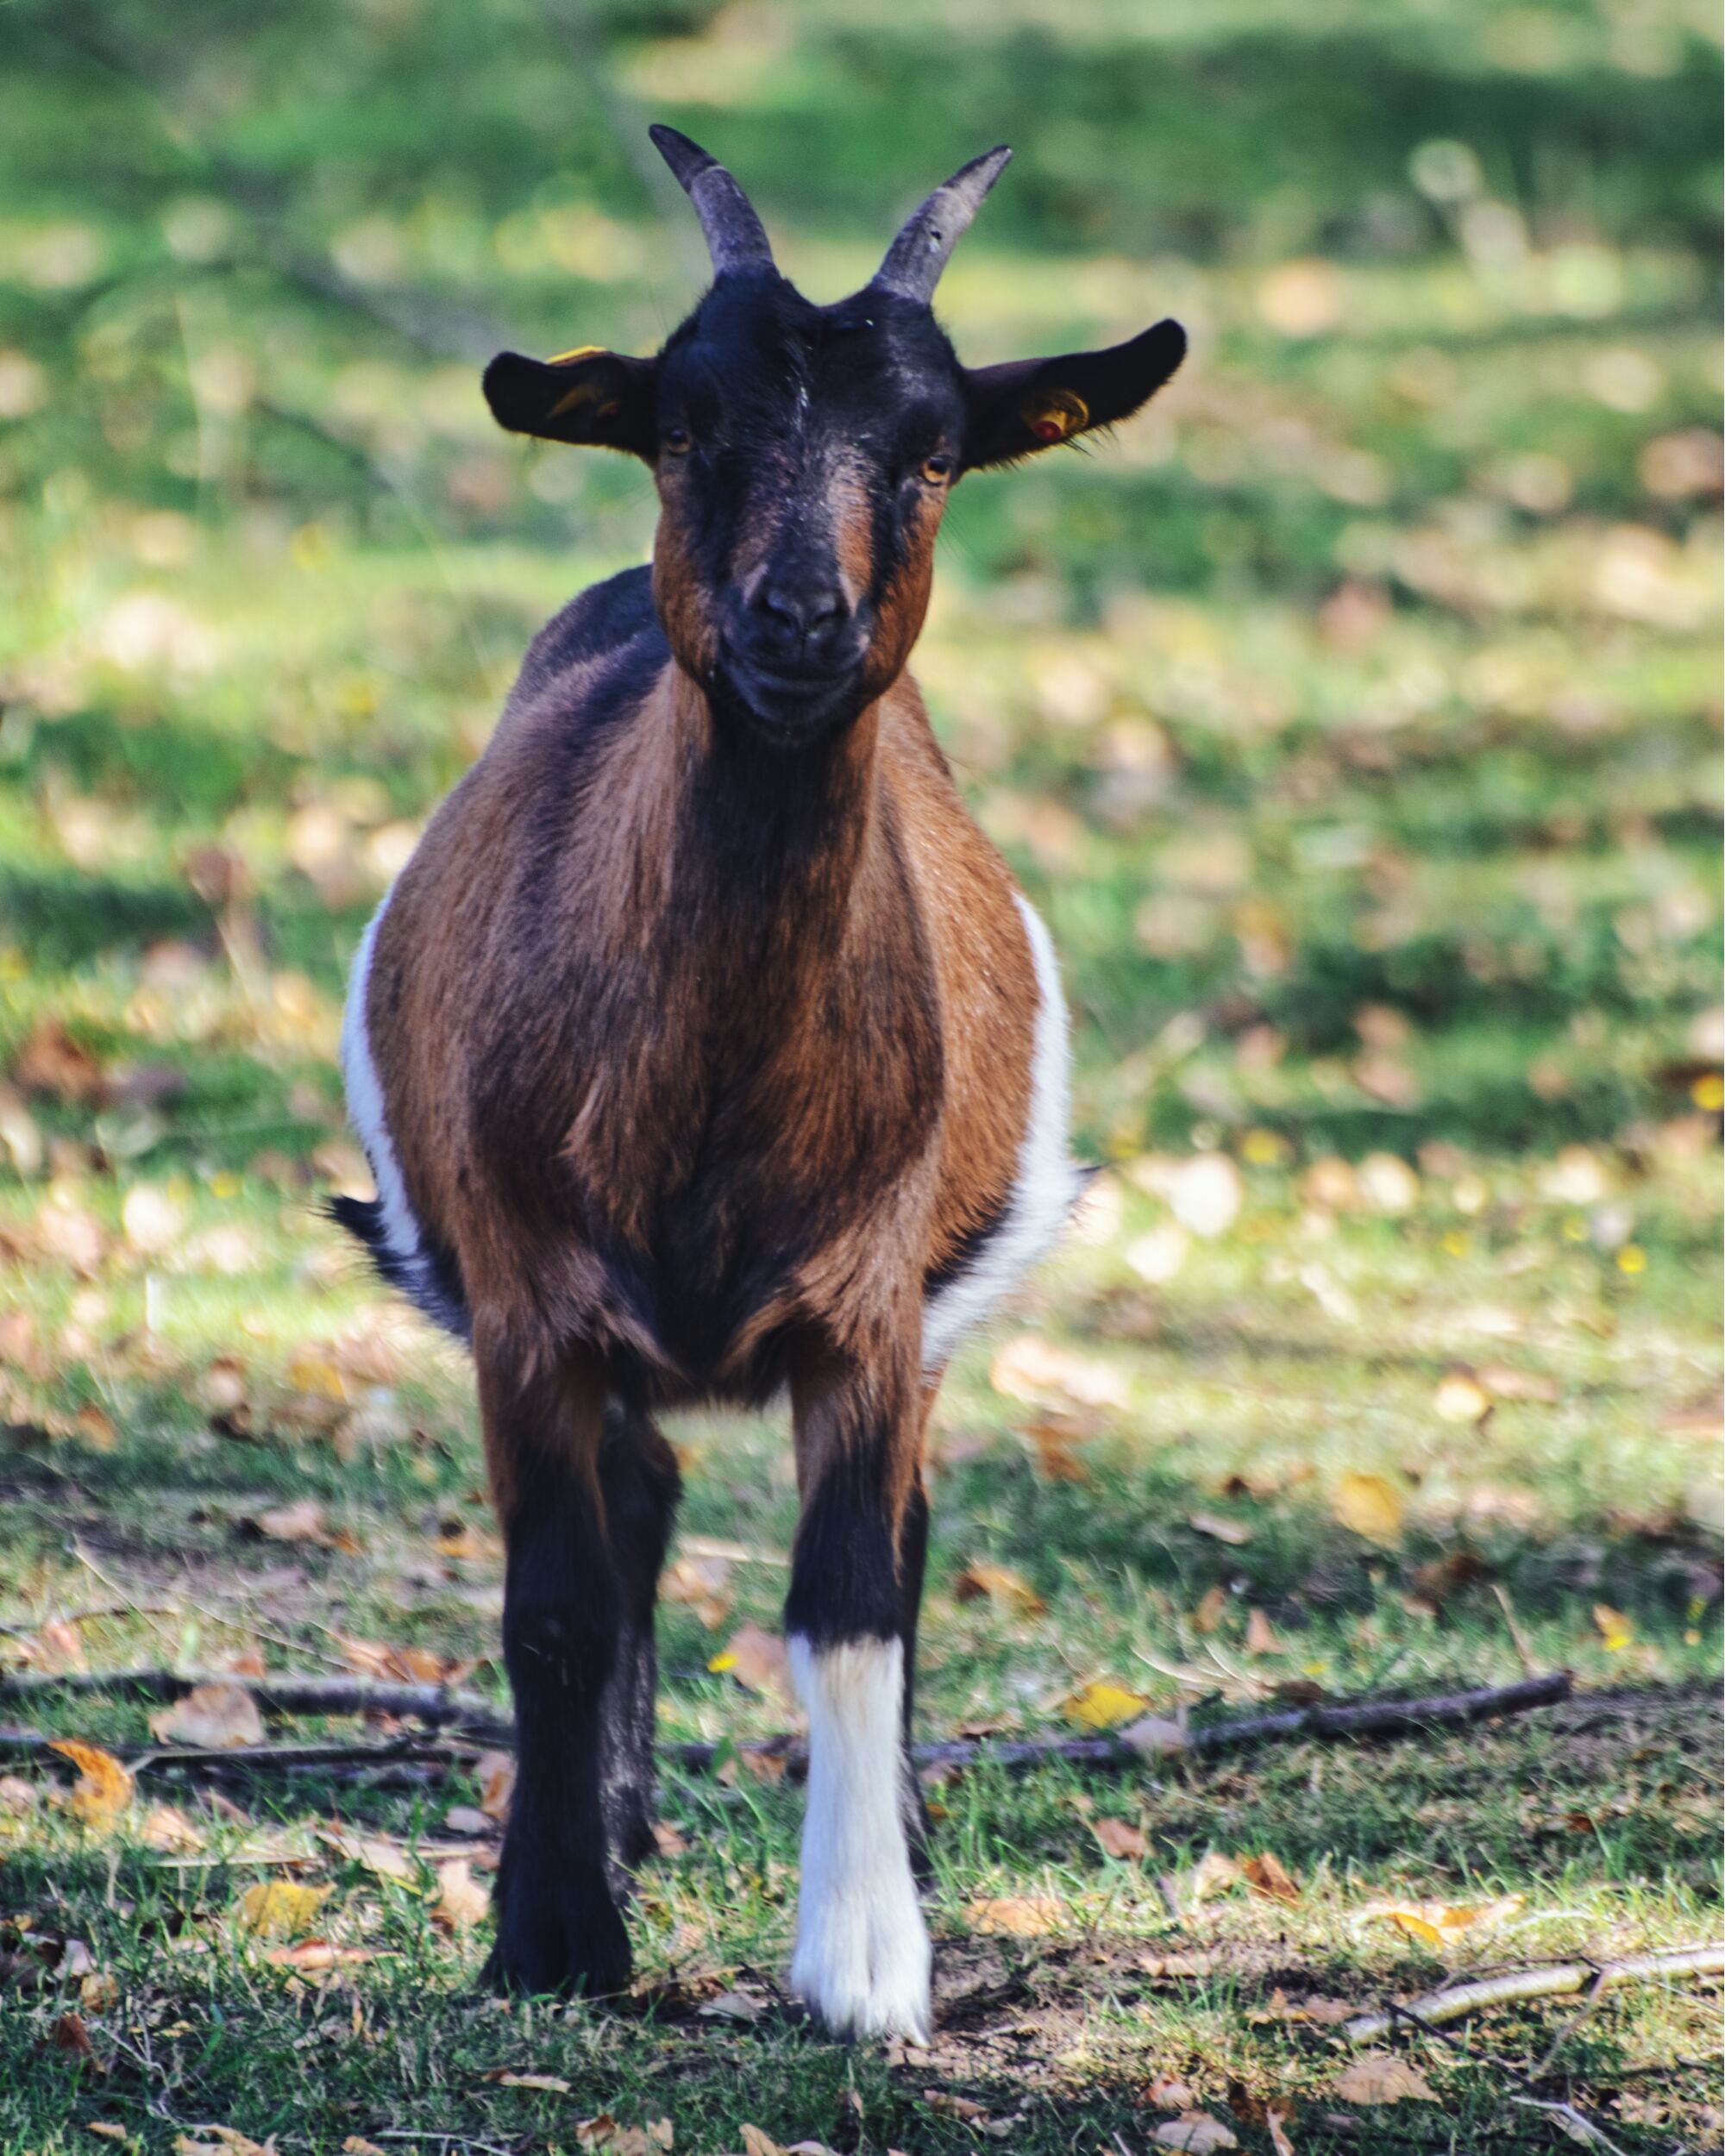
{"x": 1353, "y": 716}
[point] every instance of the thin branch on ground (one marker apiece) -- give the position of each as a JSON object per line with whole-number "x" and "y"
{"x": 1555, "y": 1980}
{"x": 242, "y": 1759}
{"x": 470, "y": 1719}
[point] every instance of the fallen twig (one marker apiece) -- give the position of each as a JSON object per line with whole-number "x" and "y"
{"x": 1557, "y": 1980}
{"x": 469, "y": 1714}
{"x": 148, "y": 1759}
{"x": 437, "y": 1705}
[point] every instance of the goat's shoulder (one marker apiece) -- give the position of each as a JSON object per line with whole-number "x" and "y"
{"x": 597, "y": 624}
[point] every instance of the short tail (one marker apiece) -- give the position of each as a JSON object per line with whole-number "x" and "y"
{"x": 430, "y": 1278}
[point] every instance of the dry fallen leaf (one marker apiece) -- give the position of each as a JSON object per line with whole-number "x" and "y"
{"x": 103, "y": 1790}
{"x": 1102, "y": 1704}
{"x": 1014, "y": 1916}
{"x": 1260, "y": 1634}
{"x": 553, "y": 2084}
{"x": 999, "y": 1584}
{"x": 668, "y": 1841}
{"x": 221, "y": 2141}
{"x": 1232, "y": 1532}
{"x": 1030, "y": 1367}
{"x": 1275, "y": 2117}
{"x": 755, "y": 2143}
{"x": 1195, "y": 2132}
{"x": 1616, "y": 1630}
{"x": 300, "y": 1522}
{"x": 1368, "y": 1504}
{"x": 71, "y": 2036}
{"x": 1210, "y": 1875}
{"x": 1153, "y": 1734}
{"x": 357, "y": 2145}
{"x": 1378, "y": 2076}
{"x": 703, "y": 1583}
{"x": 385, "y": 1859}
{"x": 462, "y": 1901}
{"x": 1267, "y": 1876}
{"x": 1436, "y": 1923}
{"x": 278, "y": 1907}
{"x": 1054, "y": 1440}
{"x": 1119, "y": 1837}
{"x": 211, "y": 1717}
{"x": 1460, "y": 1397}
{"x": 757, "y": 1659}
{"x": 1213, "y": 1605}
{"x": 495, "y": 1771}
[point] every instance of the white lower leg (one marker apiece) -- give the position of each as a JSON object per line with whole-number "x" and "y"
{"x": 862, "y": 1953}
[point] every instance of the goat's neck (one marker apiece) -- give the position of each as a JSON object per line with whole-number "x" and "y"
{"x": 780, "y": 848}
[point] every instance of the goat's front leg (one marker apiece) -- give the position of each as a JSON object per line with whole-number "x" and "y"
{"x": 862, "y": 1954}
{"x": 558, "y": 1926}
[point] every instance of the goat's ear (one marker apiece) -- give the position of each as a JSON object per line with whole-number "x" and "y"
{"x": 1032, "y": 404}
{"x": 588, "y": 396}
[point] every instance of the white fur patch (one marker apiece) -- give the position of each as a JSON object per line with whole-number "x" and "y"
{"x": 365, "y": 1107}
{"x": 862, "y": 1955}
{"x": 1047, "y": 1184}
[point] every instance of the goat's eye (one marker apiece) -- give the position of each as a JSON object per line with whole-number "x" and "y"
{"x": 678, "y": 442}
{"x": 937, "y": 470}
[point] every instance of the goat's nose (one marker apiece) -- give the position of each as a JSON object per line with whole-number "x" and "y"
{"x": 801, "y": 614}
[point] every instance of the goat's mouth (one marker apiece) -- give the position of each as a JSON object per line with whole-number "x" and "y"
{"x": 789, "y": 703}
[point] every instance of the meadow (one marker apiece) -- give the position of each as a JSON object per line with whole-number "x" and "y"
{"x": 1353, "y": 718}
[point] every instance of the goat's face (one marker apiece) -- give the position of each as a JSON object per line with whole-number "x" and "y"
{"x": 803, "y": 455}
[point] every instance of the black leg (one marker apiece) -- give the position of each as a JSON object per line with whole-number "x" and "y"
{"x": 912, "y": 1558}
{"x": 640, "y": 1485}
{"x": 558, "y": 1926}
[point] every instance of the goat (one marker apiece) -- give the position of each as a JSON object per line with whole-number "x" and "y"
{"x": 706, "y": 1049}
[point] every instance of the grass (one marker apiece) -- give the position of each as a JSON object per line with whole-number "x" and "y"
{"x": 1353, "y": 718}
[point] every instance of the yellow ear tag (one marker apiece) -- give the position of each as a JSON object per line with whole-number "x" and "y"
{"x": 586, "y": 393}
{"x": 1055, "y": 417}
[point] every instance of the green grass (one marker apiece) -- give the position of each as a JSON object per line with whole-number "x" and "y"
{"x": 1353, "y": 717}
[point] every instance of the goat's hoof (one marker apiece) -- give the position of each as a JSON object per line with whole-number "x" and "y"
{"x": 583, "y": 1952}
{"x": 864, "y": 1973}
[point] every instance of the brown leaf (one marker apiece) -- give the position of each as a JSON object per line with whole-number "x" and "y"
{"x": 300, "y": 1522}
{"x": 1053, "y": 1440}
{"x": 668, "y": 1841}
{"x": 385, "y": 1859}
{"x": 462, "y": 1901}
{"x": 221, "y": 2141}
{"x": 1234, "y": 1533}
{"x": 505, "y": 2078}
{"x": 703, "y": 1583}
{"x": 757, "y": 1659}
{"x": 1265, "y": 1875}
{"x": 1211, "y": 1608}
{"x": 71, "y": 2036}
{"x": 357, "y": 2145}
{"x": 1014, "y": 1916}
{"x": 1260, "y": 1634}
{"x": 103, "y": 1791}
{"x": 1378, "y": 2076}
{"x": 755, "y": 2143}
{"x": 212, "y": 1716}
{"x": 1035, "y": 1369}
{"x": 495, "y": 1771}
{"x": 1274, "y": 2121}
{"x": 1211, "y": 1874}
{"x": 998, "y": 1583}
{"x": 1195, "y": 2132}
{"x": 167, "y": 1828}
{"x": 1119, "y": 1837}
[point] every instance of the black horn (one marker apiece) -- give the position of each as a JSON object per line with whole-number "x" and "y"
{"x": 916, "y": 258}
{"x": 736, "y": 238}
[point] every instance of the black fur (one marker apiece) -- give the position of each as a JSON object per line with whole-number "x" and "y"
{"x": 431, "y": 1279}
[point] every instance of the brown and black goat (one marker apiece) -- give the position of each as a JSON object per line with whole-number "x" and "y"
{"x": 706, "y": 1049}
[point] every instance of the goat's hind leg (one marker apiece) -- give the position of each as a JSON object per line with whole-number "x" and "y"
{"x": 558, "y": 1926}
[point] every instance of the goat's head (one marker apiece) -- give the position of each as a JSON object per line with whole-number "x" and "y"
{"x": 804, "y": 455}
